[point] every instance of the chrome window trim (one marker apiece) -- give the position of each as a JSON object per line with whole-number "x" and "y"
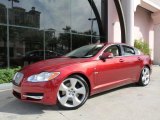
{"x": 120, "y": 45}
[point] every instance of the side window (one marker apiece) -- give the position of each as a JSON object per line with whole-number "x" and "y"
{"x": 137, "y": 51}
{"x": 128, "y": 51}
{"x": 34, "y": 54}
{"x": 50, "y": 53}
{"x": 41, "y": 53}
{"x": 47, "y": 53}
{"x": 113, "y": 49}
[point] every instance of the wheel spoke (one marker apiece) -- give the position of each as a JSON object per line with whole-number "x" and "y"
{"x": 63, "y": 87}
{"x": 76, "y": 101}
{"x": 146, "y": 71}
{"x": 63, "y": 100}
{"x": 143, "y": 78}
{"x": 147, "y": 76}
{"x": 146, "y": 81}
{"x": 81, "y": 90}
{"x": 73, "y": 82}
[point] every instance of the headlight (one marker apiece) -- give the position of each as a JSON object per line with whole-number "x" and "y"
{"x": 43, "y": 77}
{"x": 18, "y": 77}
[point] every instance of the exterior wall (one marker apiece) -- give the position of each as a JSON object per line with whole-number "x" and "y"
{"x": 156, "y": 45}
{"x": 144, "y": 27}
{"x": 156, "y": 19}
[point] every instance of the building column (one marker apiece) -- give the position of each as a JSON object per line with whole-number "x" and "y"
{"x": 128, "y": 9}
{"x": 156, "y": 20}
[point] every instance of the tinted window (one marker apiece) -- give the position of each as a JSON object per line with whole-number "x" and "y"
{"x": 85, "y": 51}
{"x": 33, "y": 54}
{"x": 138, "y": 52}
{"x": 128, "y": 50}
{"x": 113, "y": 49}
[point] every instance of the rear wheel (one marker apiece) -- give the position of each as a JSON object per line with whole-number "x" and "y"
{"x": 145, "y": 77}
{"x": 73, "y": 92}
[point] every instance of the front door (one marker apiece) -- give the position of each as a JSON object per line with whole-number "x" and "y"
{"x": 111, "y": 72}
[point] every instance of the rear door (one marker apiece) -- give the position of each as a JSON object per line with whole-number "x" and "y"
{"x": 133, "y": 62}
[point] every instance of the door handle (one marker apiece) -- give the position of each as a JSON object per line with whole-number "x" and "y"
{"x": 121, "y": 60}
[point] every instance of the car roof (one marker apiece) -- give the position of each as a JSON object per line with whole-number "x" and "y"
{"x": 116, "y": 43}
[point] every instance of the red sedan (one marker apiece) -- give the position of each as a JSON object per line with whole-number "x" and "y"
{"x": 68, "y": 81}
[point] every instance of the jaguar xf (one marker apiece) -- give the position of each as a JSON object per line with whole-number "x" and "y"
{"x": 69, "y": 80}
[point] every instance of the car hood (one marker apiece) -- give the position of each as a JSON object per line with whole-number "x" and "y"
{"x": 51, "y": 64}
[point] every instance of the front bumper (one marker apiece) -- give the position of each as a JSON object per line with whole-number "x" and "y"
{"x": 45, "y": 92}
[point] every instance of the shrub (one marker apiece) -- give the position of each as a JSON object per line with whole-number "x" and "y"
{"x": 142, "y": 46}
{"x": 6, "y": 75}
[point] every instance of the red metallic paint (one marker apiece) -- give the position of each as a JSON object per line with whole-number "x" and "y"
{"x": 101, "y": 75}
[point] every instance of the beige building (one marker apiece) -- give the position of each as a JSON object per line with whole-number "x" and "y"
{"x": 142, "y": 19}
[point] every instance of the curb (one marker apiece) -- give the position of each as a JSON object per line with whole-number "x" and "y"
{"x": 5, "y": 86}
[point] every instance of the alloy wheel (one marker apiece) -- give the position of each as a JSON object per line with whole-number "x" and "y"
{"x": 145, "y": 76}
{"x": 72, "y": 92}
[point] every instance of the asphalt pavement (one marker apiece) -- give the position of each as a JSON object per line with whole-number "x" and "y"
{"x": 130, "y": 102}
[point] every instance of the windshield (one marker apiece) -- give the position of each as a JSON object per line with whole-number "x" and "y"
{"x": 85, "y": 51}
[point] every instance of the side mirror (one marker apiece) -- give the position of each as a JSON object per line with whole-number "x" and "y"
{"x": 106, "y": 55}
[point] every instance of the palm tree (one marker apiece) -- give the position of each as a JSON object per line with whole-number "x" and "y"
{"x": 16, "y": 1}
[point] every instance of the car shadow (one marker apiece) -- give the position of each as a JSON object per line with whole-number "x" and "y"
{"x": 15, "y": 106}
{"x": 113, "y": 90}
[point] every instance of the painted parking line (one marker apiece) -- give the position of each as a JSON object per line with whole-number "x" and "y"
{"x": 5, "y": 90}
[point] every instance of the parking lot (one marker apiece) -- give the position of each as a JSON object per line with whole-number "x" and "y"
{"x": 130, "y": 102}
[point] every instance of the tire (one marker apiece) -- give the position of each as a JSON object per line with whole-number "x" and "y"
{"x": 144, "y": 77}
{"x": 73, "y": 93}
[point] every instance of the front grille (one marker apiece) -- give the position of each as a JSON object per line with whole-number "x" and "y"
{"x": 35, "y": 94}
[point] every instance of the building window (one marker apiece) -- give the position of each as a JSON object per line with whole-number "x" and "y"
{"x": 50, "y": 28}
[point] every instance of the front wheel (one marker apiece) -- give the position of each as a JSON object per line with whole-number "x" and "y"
{"x": 145, "y": 77}
{"x": 73, "y": 92}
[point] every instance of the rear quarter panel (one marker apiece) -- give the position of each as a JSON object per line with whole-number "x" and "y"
{"x": 146, "y": 61}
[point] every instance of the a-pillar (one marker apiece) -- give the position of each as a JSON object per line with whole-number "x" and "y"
{"x": 128, "y": 9}
{"x": 156, "y": 20}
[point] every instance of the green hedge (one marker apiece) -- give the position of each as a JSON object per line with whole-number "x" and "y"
{"x": 6, "y": 75}
{"x": 142, "y": 46}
